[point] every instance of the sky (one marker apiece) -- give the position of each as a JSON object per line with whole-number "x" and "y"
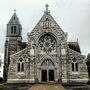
{"x": 73, "y": 16}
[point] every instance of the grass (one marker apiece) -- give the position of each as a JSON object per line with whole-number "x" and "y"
{"x": 6, "y": 86}
{"x": 2, "y": 84}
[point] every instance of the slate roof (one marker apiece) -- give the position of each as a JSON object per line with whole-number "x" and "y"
{"x": 75, "y": 46}
{"x": 23, "y": 45}
{"x": 14, "y": 19}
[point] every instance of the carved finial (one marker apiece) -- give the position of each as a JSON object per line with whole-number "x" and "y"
{"x": 47, "y": 7}
{"x": 47, "y": 11}
{"x": 14, "y": 10}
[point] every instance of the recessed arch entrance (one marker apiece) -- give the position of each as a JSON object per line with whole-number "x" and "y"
{"x": 47, "y": 70}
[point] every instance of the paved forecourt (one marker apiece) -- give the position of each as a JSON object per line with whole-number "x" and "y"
{"x": 47, "y": 87}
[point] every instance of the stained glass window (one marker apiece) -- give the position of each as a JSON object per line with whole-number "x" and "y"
{"x": 75, "y": 65}
{"x": 47, "y": 43}
{"x": 20, "y": 65}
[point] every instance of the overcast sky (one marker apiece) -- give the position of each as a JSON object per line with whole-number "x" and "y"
{"x": 73, "y": 16}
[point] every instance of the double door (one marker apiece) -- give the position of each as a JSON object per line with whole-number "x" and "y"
{"x": 47, "y": 75}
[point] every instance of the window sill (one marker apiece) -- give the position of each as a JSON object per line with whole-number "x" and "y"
{"x": 20, "y": 73}
{"x": 75, "y": 72}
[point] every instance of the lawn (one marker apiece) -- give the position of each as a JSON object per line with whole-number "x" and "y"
{"x": 6, "y": 86}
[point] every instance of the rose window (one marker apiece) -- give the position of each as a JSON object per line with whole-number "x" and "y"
{"x": 47, "y": 43}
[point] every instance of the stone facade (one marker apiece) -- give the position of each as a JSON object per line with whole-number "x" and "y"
{"x": 88, "y": 65}
{"x": 47, "y": 56}
{"x": 13, "y": 42}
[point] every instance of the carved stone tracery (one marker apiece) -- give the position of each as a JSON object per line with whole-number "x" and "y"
{"x": 47, "y": 43}
{"x": 47, "y": 63}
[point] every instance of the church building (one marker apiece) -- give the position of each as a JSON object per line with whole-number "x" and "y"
{"x": 46, "y": 56}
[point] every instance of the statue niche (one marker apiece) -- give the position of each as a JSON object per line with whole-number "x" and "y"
{"x": 46, "y": 24}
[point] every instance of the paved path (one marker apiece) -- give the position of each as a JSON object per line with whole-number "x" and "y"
{"x": 47, "y": 87}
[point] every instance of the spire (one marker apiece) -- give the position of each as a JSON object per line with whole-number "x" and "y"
{"x": 47, "y": 10}
{"x": 14, "y": 19}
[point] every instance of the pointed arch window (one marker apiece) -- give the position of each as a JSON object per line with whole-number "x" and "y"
{"x": 14, "y": 29}
{"x": 20, "y": 65}
{"x": 75, "y": 65}
{"x": 11, "y": 29}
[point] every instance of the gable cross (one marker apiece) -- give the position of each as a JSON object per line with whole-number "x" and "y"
{"x": 47, "y": 11}
{"x": 47, "y": 7}
{"x": 14, "y": 10}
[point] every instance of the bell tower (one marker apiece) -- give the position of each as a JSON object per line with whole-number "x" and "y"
{"x": 13, "y": 41}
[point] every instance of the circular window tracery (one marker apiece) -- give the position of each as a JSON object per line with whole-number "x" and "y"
{"x": 47, "y": 43}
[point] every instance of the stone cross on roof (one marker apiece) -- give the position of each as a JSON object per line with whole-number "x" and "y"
{"x": 14, "y": 10}
{"x": 47, "y": 11}
{"x": 47, "y": 7}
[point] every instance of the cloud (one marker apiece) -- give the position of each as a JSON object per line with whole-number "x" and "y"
{"x": 72, "y": 15}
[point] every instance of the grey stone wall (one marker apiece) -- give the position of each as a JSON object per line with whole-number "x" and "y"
{"x": 13, "y": 74}
{"x": 33, "y": 59}
{"x": 82, "y": 75}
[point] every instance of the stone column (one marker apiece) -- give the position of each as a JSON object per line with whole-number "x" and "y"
{"x": 63, "y": 63}
{"x": 64, "y": 72}
{"x": 32, "y": 74}
{"x": 27, "y": 68}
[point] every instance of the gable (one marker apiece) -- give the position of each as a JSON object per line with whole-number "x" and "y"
{"x": 74, "y": 46}
{"x": 14, "y": 19}
{"x": 47, "y": 24}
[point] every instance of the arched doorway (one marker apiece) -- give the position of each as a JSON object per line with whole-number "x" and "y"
{"x": 47, "y": 70}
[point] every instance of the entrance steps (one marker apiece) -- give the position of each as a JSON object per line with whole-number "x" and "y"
{"x": 50, "y": 82}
